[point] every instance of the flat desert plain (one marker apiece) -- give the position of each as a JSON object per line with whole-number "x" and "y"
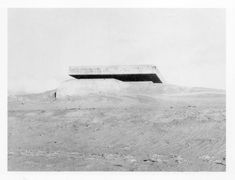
{"x": 138, "y": 127}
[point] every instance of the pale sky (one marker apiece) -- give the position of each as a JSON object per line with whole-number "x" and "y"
{"x": 187, "y": 45}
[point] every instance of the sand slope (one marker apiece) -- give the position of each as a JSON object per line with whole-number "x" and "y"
{"x": 123, "y": 126}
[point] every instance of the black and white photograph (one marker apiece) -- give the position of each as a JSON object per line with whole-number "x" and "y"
{"x": 116, "y": 89}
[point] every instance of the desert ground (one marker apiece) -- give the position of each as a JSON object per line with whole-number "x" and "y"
{"x": 117, "y": 126}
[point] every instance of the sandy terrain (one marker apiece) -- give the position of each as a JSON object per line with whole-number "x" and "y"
{"x": 135, "y": 128}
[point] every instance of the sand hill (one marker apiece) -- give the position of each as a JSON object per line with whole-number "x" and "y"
{"x": 114, "y": 125}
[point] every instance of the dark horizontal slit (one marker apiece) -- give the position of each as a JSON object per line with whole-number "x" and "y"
{"x": 122, "y": 77}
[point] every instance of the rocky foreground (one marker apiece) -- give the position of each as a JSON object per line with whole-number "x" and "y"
{"x": 131, "y": 127}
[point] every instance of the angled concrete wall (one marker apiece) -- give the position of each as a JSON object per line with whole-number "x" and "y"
{"x": 123, "y": 73}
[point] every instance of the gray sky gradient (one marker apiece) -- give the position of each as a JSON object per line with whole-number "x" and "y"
{"x": 187, "y": 45}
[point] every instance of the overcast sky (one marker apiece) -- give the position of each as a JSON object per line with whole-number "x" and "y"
{"x": 187, "y": 45}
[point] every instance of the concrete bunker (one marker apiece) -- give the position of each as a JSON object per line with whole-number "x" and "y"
{"x": 122, "y": 73}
